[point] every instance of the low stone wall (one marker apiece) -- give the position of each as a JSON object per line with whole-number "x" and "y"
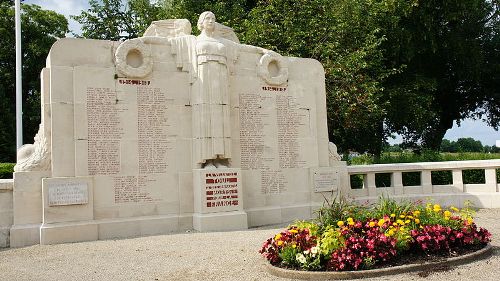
{"x": 482, "y": 195}
{"x": 6, "y": 216}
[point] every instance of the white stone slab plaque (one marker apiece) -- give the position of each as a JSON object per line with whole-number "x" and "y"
{"x": 70, "y": 193}
{"x": 325, "y": 180}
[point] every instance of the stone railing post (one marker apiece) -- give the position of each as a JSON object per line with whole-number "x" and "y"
{"x": 426, "y": 181}
{"x": 397, "y": 182}
{"x": 490, "y": 179}
{"x": 458, "y": 183}
{"x": 370, "y": 184}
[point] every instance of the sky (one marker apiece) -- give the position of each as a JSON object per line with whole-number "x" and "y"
{"x": 469, "y": 128}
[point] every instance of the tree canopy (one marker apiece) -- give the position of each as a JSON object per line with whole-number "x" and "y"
{"x": 410, "y": 67}
{"x": 41, "y": 28}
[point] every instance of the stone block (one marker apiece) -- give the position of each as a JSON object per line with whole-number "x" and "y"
{"x": 67, "y": 199}
{"x": 264, "y": 216}
{"x": 138, "y": 226}
{"x": 23, "y": 235}
{"x": 68, "y": 232}
{"x": 221, "y": 221}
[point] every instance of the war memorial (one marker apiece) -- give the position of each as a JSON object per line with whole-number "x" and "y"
{"x": 169, "y": 132}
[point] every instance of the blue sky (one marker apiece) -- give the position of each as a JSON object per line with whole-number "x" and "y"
{"x": 469, "y": 128}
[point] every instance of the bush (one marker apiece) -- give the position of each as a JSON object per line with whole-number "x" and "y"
{"x": 6, "y": 170}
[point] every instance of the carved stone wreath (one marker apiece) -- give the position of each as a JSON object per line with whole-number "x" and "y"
{"x": 263, "y": 69}
{"x": 138, "y": 48}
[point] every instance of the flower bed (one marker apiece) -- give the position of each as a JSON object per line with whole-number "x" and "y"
{"x": 347, "y": 237}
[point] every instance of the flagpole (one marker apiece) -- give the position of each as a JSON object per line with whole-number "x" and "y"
{"x": 19, "y": 81}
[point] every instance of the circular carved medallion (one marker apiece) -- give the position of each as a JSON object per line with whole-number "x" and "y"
{"x": 273, "y": 68}
{"x": 133, "y": 59}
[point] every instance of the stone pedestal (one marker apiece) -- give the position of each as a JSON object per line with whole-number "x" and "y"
{"x": 218, "y": 202}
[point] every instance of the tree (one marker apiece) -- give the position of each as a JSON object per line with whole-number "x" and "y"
{"x": 40, "y": 29}
{"x": 125, "y": 19}
{"x": 115, "y": 20}
{"x": 346, "y": 37}
{"x": 469, "y": 145}
{"x": 449, "y": 50}
{"x": 448, "y": 146}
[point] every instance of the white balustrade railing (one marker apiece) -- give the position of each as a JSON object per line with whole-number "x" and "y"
{"x": 426, "y": 186}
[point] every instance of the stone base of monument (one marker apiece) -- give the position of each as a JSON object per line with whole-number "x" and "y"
{"x": 218, "y": 202}
{"x": 24, "y": 235}
{"x": 221, "y": 221}
{"x": 70, "y": 232}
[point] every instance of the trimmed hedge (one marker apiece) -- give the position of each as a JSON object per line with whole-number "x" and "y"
{"x": 6, "y": 170}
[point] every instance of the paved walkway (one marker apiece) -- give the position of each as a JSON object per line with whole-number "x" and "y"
{"x": 193, "y": 256}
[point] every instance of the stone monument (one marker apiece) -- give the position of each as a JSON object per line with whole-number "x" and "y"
{"x": 169, "y": 132}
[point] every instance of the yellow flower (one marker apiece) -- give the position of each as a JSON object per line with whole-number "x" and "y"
{"x": 416, "y": 213}
{"x": 407, "y": 221}
{"x": 469, "y": 221}
{"x": 277, "y": 237}
{"x": 381, "y": 222}
{"x": 436, "y": 208}
{"x": 340, "y": 223}
{"x": 393, "y": 215}
{"x": 294, "y": 246}
{"x": 400, "y": 222}
{"x": 402, "y": 216}
{"x": 280, "y": 243}
{"x": 454, "y": 209}
{"x": 409, "y": 217}
{"x": 417, "y": 221}
{"x": 294, "y": 231}
{"x": 372, "y": 224}
{"x": 395, "y": 224}
{"x": 447, "y": 213}
{"x": 350, "y": 221}
{"x": 390, "y": 232}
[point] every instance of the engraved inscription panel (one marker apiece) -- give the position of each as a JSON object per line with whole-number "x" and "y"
{"x": 221, "y": 191}
{"x": 325, "y": 181}
{"x": 271, "y": 120}
{"x": 71, "y": 193}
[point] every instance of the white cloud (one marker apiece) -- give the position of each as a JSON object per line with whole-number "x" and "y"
{"x": 64, "y": 7}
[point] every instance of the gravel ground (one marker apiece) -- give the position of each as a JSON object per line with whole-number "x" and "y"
{"x": 195, "y": 256}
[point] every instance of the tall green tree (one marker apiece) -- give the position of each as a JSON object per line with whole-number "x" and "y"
{"x": 40, "y": 29}
{"x": 346, "y": 37}
{"x": 450, "y": 54}
{"x": 116, "y": 19}
{"x": 125, "y": 19}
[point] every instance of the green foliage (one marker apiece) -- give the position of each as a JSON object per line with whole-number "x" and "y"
{"x": 387, "y": 206}
{"x": 331, "y": 240}
{"x": 446, "y": 48}
{"x": 114, "y": 20}
{"x": 462, "y": 145}
{"x": 6, "y": 170}
{"x": 336, "y": 209}
{"x": 348, "y": 46}
{"x": 288, "y": 255}
{"x": 313, "y": 228}
{"x": 41, "y": 28}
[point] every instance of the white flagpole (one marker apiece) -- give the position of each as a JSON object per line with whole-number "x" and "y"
{"x": 19, "y": 81}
